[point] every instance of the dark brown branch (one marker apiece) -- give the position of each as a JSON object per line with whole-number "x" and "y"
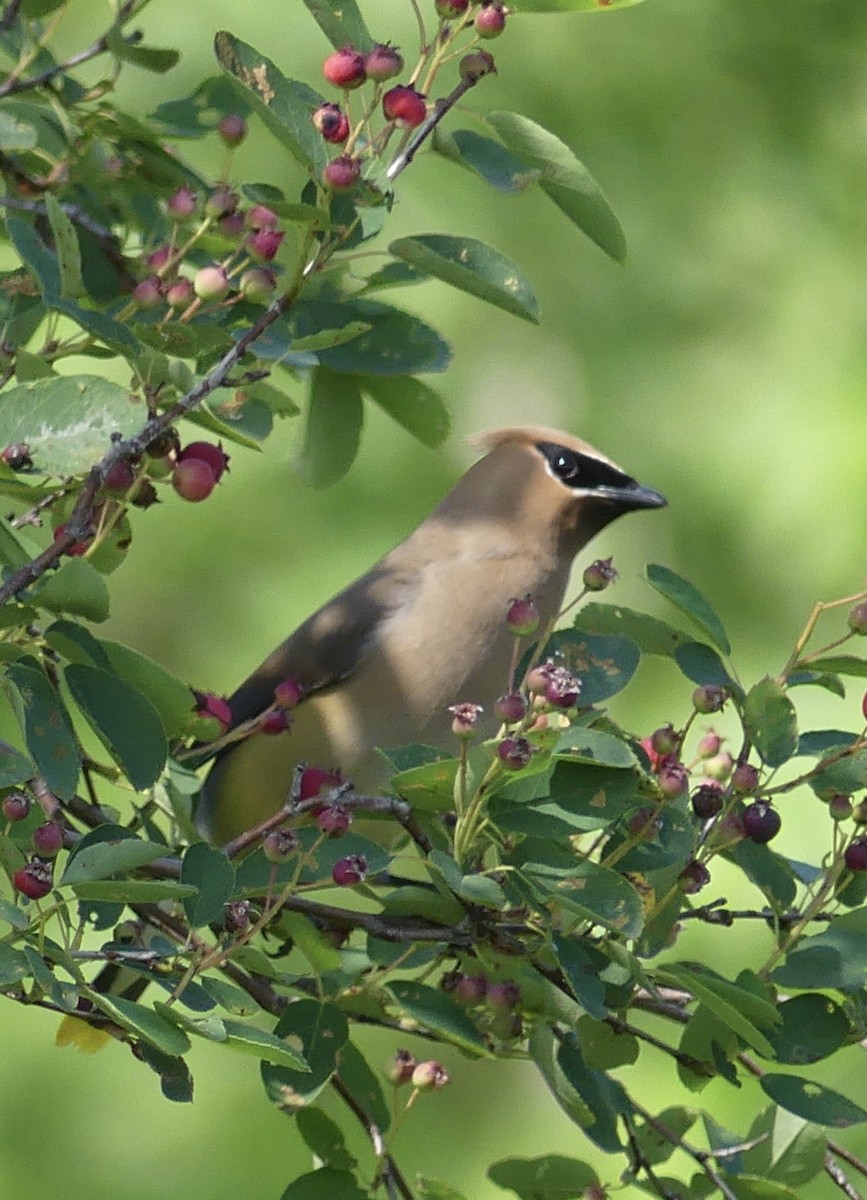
{"x": 402, "y": 160}
{"x": 389, "y": 1170}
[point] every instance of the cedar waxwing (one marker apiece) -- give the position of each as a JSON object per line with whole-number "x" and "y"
{"x": 425, "y": 628}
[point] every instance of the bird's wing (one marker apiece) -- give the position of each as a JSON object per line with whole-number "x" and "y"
{"x": 328, "y": 646}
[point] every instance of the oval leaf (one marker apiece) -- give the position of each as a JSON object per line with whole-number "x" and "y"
{"x": 594, "y": 746}
{"x": 413, "y": 405}
{"x": 489, "y": 160}
{"x": 473, "y": 267}
{"x": 812, "y": 1101}
{"x": 213, "y": 877}
{"x": 437, "y": 1012}
{"x": 143, "y": 1022}
{"x": 47, "y": 729}
{"x": 689, "y": 600}
{"x": 125, "y": 722}
{"x": 333, "y": 429}
{"x": 76, "y": 587}
{"x": 771, "y": 721}
{"x": 604, "y": 665}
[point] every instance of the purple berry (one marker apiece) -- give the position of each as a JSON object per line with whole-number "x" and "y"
{"x": 855, "y": 855}
{"x": 761, "y": 822}
{"x": 334, "y": 820}
{"x": 523, "y": 616}
{"x": 16, "y": 806}
{"x": 47, "y": 839}
{"x": 349, "y": 871}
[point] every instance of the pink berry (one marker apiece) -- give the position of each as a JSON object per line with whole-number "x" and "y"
{"x": 47, "y": 839}
{"x": 332, "y": 122}
{"x": 232, "y": 226}
{"x": 193, "y": 480}
{"x": 211, "y": 283}
{"x": 405, "y": 106}
{"x": 334, "y": 820}
{"x": 562, "y": 688}
{"x": 148, "y": 293}
{"x": 399, "y": 1068}
{"x": 709, "y": 745}
{"x": 470, "y": 989}
{"x": 429, "y": 1076}
{"x": 855, "y": 855}
{"x": 209, "y": 705}
{"x": 490, "y": 21}
{"x": 275, "y": 720}
{"x": 465, "y": 718}
{"x": 745, "y": 778}
{"x": 344, "y": 68}
{"x": 182, "y": 203}
{"x": 515, "y": 753}
{"x": 599, "y": 575}
{"x": 504, "y": 996}
{"x": 840, "y": 807}
{"x": 288, "y": 693}
{"x": 261, "y": 217}
{"x": 157, "y": 259}
{"x": 221, "y": 202}
{"x": 264, "y": 244}
{"x": 349, "y": 871}
{"x": 16, "y": 806}
{"x": 719, "y": 766}
{"x": 180, "y": 293}
{"x": 761, "y": 822}
{"x": 120, "y": 477}
{"x": 215, "y": 456}
{"x": 522, "y": 616}
{"x": 857, "y": 618}
{"x": 33, "y": 880}
{"x": 342, "y": 174}
{"x": 280, "y": 844}
{"x": 232, "y": 129}
{"x": 17, "y": 456}
{"x": 510, "y": 708}
{"x": 672, "y": 779}
{"x": 382, "y": 62}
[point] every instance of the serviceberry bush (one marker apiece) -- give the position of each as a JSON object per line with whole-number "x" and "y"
{"x": 523, "y": 897}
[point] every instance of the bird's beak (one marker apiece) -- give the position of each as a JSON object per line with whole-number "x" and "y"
{"x": 631, "y": 496}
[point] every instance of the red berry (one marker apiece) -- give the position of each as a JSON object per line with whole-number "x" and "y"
{"x": 523, "y": 616}
{"x": 193, "y": 480}
{"x": 491, "y": 21}
{"x": 855, "y": 855}
{"x": 259, "y": 216}
{"x": 672, "y": 779}
{"x": 599, "y": 575}
{"x": 562, "y": 689}
{"x": 47, "y": 839}
{"x": 180, "y": 293}
{"x": 344, "y": 68}
{"x": 316, "y": 780}
{"x": 288, "y": 693}
{"x": 382, "y": 62}
{"x": 510, "y": 708}
{"x": 211, "y": 283}
{"x": 275, "y": 720}
{"x": 514, "y": 753}
{"x": 232, "y": 129}
{"x": 348, "y": 871}
{"x": 332, "y": 122}
{"x": 761, "y": 822}
{"x": 264, "y": 244}
{"x": 745, "y": 778}
{"x": 120, "y": 477}
{"x": 342, "y": 174}
{"x": 280, "y": 844}
{"x": 208, "y": 704}
{"x": 77, "y": 548}
{"x": 16, "y": 806}
{"x": 405, "y": 106}
{"x": 334, "y": 820}
{"x": 215, "y": 456}
{"x": 33, "y": 880}
{"x": 707, "y": 801}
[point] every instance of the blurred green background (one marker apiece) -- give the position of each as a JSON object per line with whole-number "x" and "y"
{"x": 723, "y": 365}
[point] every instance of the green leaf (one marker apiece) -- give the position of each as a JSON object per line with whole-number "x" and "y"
{"x": 333, "y": 428}
{"x": 649, "y": 634}
{"x": 702, "y": 664}
{"x": 47, "y": 728}
{"x": 42, "y": 263}
{"x": 68, "y": 420}
{"x": 549, "y": 1177}
{"x": 341, "y": 22}
{"x": 543, "y": 1047}
{"x": 435, "y": 1189}
{"x": 604, "y": 664}
{"x": 604, "y": 1096}
{"x": 66, "y": 245}
{"x": 845, "y": 774}
{"x": 143, "y": 1022}
{"x": 324, "y": 1138}
{"x": 488, "y": 159}
{"x": 15, "y": 767}
{"x": 149, "y": 58}
{"x": 109, "y": 850}
{"x": 15, "y": 135}
{"x": 590, "y": 892}
{"x": 76, "y": 644}
{"x": 322, "y": 1030}
{"x": 326, "y": 1183}
{"x": 397, "y": 343}
{"x": 837, "y": 956}
{"x": 363, "y": 1084}
{"x": 604, "y": 1048}
{"x": 689, "y": 600}
{"x": 582, "y": 974}
{"x": 751, "y": 1187}
{"x": 284, "y": 105}
{"x": 437, "y": 1012}
{"x": 169, "y": 695}
{"x": 577, "y": 744}
{"x": 482, "y": 890}
{"x": 471, "y": 266}
{"x": 326, "y": 338}
{"x": 131, "y": 891}
{"x": 126, "y": 722}
{"x": 412, "y": 404}
{"x": 838, "y": 664}
{"x": 213, "y": 876}
{"x": 767, "y": 870}
{"x": 771, "y": 722}
{"x": 13, "y": 551}
{"x": 727, "y": 1003}
{"x": 75, "y": 587}
{"x": 812, "y": 1027}
{"x": 564, "y": 180}
{"x": 262, "y": 1045}
{"x": 428, "y": 787}
{"x": 812, "y": 1101}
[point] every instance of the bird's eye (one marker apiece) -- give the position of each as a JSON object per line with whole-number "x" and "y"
{"x": 564, "y": 464}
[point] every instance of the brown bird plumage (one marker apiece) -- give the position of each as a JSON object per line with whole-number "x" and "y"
{"x": 381, "y": 662}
